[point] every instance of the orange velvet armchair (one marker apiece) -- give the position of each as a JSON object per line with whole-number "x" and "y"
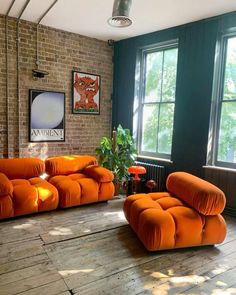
{"x": 185, "y": 216}
{"x": 22, "y": 191}
{"x": 79, "y": 180}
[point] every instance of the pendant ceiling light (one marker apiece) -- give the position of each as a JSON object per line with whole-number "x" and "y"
{"x": 120, "y": 14}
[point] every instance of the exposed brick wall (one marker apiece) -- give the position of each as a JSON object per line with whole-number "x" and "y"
{"x": 3, "y": 130}
{"x": 59, "y": 53}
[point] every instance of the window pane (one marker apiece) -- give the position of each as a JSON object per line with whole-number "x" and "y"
{"x": 149, "y": 128}
{"x": 153, "y": 76}
{"x": 227, "y": 133}
{"x": 230, "y": 70}
{"x": 165, "y": 128}
{"x": 169, "y": 74}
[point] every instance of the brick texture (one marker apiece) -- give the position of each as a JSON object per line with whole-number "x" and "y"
{"x": 60, "y": 52}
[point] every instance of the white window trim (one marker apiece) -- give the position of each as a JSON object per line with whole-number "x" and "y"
{"x": 218, "y": 79}
{"x": 219, "y": 168}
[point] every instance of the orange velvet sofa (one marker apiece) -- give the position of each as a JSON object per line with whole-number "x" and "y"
{"x": 185, "y": 216}
{"x": 79, "y": 180}
{"x": 22, "y": 191}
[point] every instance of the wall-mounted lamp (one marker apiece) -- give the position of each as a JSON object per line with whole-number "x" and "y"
{"x": 39, "y": 73}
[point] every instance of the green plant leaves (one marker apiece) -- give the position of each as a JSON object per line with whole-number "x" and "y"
{"x": 119, "y": 158}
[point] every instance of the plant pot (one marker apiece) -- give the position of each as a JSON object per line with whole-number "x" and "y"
{"x": 117, "y": 188}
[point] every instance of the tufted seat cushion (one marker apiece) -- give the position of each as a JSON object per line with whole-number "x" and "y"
{"x": 79, "y": 180}
{"x": 165, "y": 221}
{"x": 33, "y": 195}
{"x": 162, "y": 221}
{"x": 77, "y": 189}
{"x": 22, "y": 191}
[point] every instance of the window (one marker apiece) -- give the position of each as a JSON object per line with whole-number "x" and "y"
{"x": 156, "y": 100}
{"x": 223, "y": 149}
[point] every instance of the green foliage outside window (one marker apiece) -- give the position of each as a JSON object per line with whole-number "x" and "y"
{"x": 159, "y": 98}
{"x": 227, "y": 128}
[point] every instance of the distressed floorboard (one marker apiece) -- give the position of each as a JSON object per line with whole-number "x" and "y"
{"x": 92, "y": 250}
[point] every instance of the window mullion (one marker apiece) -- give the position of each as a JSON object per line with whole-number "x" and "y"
{"x": 159, "y": 104}
{"x": 222, "y": 61}
{"x": 228, "y": 100}
{"x": 141, "y": 103}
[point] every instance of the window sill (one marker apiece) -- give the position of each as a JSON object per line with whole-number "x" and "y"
{"x": 155, "y": 159}
{"x": 219, "y": 168}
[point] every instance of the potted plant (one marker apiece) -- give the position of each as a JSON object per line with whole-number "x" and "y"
{"x": 117, "y": 154}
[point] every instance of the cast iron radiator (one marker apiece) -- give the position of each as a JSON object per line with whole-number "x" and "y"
{"x": 155, "y": 172}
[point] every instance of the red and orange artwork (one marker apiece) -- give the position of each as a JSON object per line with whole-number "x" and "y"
{"x": 86, "y": 93}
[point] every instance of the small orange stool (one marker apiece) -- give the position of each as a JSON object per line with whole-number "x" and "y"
{"x": 136, "y": 170}
{"x": 134, "y": 185}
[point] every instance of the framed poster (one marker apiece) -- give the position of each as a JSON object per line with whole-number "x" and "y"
{"x": 85, "y": 93}
{"x": 46, "y": 115}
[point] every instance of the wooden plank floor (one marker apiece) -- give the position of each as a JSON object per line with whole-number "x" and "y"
{"x": 92, "y": 250}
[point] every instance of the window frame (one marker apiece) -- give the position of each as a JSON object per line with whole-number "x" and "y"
{"x": 218, "y": 100}
{"x": 140, "y": 95}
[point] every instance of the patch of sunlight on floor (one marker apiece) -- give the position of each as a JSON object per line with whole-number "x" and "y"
{"x": 87, "y": 231}
{"x": 25, "y": 225}
{"x": 68, "y": 272}
{"x": 22, "y": 226}
{"x": 218, "y": 271}
{"x": 110, "y": 213}
{"x": 157, "y": 274}
{"x": 119, "y": 214}
{"x": 60, "y": 231}
{"x": 170, "y": 272}
{"x": 221, "y": 284}
{"x": 192, "y": 279}
{"x": 229, "y": 291}
{"x": 161, "y": 289}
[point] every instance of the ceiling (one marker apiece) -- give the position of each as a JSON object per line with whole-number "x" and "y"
{"x": 89, "y": 17}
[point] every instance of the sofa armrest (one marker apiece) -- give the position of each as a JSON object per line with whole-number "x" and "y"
{"x": 6, "y": 187}
{"x": 100, "y": 174}
{"x": 199, "y": 194}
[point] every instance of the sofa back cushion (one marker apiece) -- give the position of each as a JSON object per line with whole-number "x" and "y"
{"x": 65, "y": 165}
{"x": 199, "y": 194}
{"x": 22, "y": 167}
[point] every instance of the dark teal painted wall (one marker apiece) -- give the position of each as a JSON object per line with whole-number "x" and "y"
{"x": 197, "y": 43}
